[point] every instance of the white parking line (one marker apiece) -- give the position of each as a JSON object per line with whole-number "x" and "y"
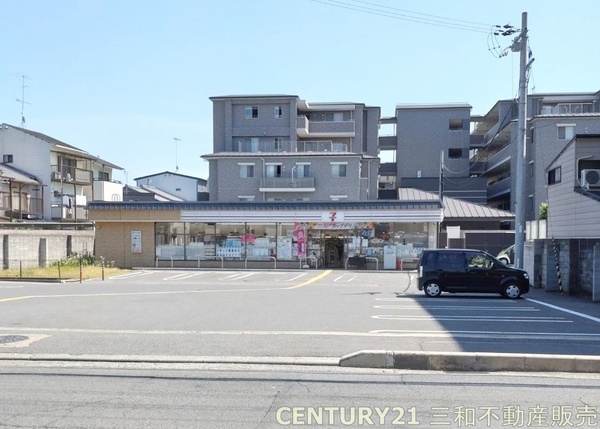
{"x": 455, "y": 307}
{"x": 576, "y": 313}
{"x": 237, "y": 276}
{"x": 489, "y": 334}
{"x": 294, "y": 278}
{"x": 474, "y": 318}
{"x": 344, "y": 278}
{"x": 129, "y": 275}
{"x": 176, "y": 276}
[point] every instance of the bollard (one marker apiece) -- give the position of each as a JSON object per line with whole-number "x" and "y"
{"x": 80, "y": 270}
{"x": 59, "y": 277}
{"x": 102, "y": 263}
{"x": 20, "y": 269}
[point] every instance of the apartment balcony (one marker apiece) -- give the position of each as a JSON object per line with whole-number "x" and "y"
{"x": 388, "y": 142}
{"x": 306, "y": 128}
{"x": 291, "y": 146}
{"x": 287, "y": 184}
{"x": 570, "y": 109}
{"x": 500, "y": 160}
{"x": 499, "y": 189}
{"x": 105, "y": 190}
{"x": 61, "y": 212}
{"x": 68, "y": 174}
{"x": 17, "y": 206}
{"x": 388, "y": 169}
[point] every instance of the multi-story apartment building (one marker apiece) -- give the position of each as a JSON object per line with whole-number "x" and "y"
{"x": 430, "y": 151}
{"x": 281, "y": 148}
{"x": 553, "y": 119}
{"x": 48, "y": 179}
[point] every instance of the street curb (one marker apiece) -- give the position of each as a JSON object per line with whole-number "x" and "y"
{"x": 249, "y": 360}
{"x": 464, "y": 361}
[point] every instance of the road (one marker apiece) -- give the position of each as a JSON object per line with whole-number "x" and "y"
{"x": 94, "y": 396}
{"x": 282, "y": 314}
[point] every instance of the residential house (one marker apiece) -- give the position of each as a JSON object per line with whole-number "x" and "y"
{"x": 186, "y": 188}
{"x": 56, "y": 180}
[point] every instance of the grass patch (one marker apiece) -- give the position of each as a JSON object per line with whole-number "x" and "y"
{"x": 72, "y": 268}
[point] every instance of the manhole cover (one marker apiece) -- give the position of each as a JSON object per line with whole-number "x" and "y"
{"x": 5, "y": 339}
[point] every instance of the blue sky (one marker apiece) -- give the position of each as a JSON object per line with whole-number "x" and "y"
{"x": 122, "y": 78}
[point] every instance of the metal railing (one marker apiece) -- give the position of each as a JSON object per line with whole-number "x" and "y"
{"x": 69, "y": 174}
{"x": 288, "y": 182}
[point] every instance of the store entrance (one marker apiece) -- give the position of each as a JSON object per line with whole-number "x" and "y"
{"x": 334, "y": 252}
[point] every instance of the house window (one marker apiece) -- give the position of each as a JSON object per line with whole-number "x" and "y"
{"x": 455, "y": 124}
{"x": 278, "y": 144}
{"x": 338, "y": 170}
{"x": 103, "y": 176}
{"x": 455, "y": 153}
{"x": 246, "y": 197}
{"x": 7, "y": 159}
{"x": 273, "y": 170}
{"x": 251, "y": 112}
{"x": 246, "y": 171}
{"x": 303, "y": 170}
{"x": 278, "y": 111}
{"x": 531, "y": 169}
{"x": 554, "y": 176}
{"x": 566, "y": 132}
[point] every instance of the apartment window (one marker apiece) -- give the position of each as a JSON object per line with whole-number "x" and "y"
{"x": 303, "y": 170}
{"x": 278, "y": 144}
{"x": 566, "y": 132}
{"x": 275, "y": 199}
{"x": 103, "y": 176}
{"x": 273, "y": 170}
{"x": 246, "y": 197}
{"x": 246, "y": 171}
{"x": 455, "y": 124}
{"x": 455, "y": 153}
{"x": 530, "y": 202}
{"x": 554, "y": 176}
{"x": 7, "y": 159}
{"x": 251, "y": 112}
{"x": 249, "y": 145}
{"x": 531, "y": 169}
{"x": 278, "y": 111}
{"x": 338, "y": 170}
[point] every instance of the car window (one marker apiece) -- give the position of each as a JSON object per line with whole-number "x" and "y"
{"x": 450, "y": 260}
{"x": 479, "y": 260}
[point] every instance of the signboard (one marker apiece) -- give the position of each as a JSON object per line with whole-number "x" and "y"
{"x": 136, "y": 241}
{"x": 300, "y": 238}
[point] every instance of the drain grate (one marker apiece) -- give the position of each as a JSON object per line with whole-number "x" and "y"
{"x": 5, "y": 339}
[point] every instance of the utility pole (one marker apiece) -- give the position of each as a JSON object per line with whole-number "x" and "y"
{"x": 176, "y": 163}
{"x": 520, "y": 45}
{"x": 22, "y": 100}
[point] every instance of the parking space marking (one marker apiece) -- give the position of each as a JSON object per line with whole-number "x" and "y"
{"x": 455, "y": 307}
{"x": 183, "y": 276}
{"x": 130, "y": 275}
{"x": 540, "y": 319}
{"x": 295, "y": 278}
{"x": 345, "y": 278}
{"x": 237, "y": 276}
{"x": 489, "y": 334}
{"x": 312, "y": 280}
{"x": 576, "y": 313}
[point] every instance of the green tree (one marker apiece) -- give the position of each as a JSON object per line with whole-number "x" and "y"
{"x": 544, "y": 211}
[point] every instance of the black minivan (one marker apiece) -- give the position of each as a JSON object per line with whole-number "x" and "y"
{"x": 466, "y": 270}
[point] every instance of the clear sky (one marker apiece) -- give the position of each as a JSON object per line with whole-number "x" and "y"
{"x": 122, "y": 79}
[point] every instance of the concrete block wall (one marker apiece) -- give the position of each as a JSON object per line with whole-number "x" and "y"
{"x": 33, "y": 248}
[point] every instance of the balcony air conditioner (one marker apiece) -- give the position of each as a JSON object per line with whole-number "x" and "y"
{"x": 590, "y": 178}
{"x": 56, "y": 175}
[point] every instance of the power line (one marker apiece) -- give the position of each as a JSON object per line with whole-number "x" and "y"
{"x": 404, "y": 17}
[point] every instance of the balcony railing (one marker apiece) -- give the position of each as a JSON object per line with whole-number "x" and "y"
{"x": 305, "y": 127}
{"x": 19, "y": 203}
{"x": 68, "y": 174}
{"x": 296, "y": 183}
{"x": 569, "y": 109}
{"x": 291, "y": 146}
{"x": 498, "y": 189}
{"x": 62, "y": 212}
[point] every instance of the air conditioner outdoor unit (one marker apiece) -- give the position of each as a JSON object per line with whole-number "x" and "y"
{"x": 590, "y": 178}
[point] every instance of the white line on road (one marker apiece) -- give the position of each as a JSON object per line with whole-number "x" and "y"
{"x": 129, "y": 275}
{"x": 455, "y": 307}
{"x": 237, "y": 276}
{"x": 474, "y": 318}
{"x": 576, "y": 313}
{"x": 176, "y": 276}
{"x": 294, "y": 278}
{"x": 488, "y": 334}
{"x": 189, "y": 276}
{"x": 474, "y": 299}
{"x": 343, "y": 278}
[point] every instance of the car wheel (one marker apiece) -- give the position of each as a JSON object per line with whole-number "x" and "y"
{"x": 432, "y": 290}
{"x": 512, "y": 291}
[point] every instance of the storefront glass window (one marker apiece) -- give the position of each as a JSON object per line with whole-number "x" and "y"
{"x": 170, "y": 239}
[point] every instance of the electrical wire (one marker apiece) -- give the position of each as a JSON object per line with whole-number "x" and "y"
{"x": 404, "y": 17}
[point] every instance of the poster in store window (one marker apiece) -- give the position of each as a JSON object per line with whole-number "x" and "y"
{"x": 136, "y": 241}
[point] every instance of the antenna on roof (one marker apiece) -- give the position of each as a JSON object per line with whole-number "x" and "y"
{"x": 176, "y": 163}
{"x": 22, "y": 99}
